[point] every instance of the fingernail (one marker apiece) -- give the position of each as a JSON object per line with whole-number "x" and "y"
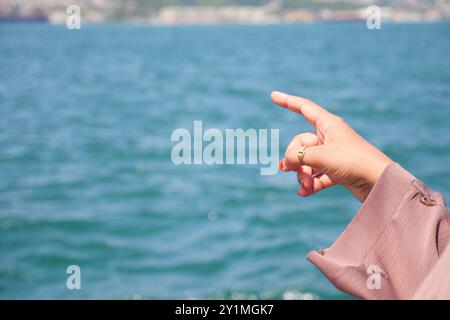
{"x": 281, "y": 165}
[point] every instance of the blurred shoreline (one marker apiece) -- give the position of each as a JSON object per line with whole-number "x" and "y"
{"x": 273, "y": 12}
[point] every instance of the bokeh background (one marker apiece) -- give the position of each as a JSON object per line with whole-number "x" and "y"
{"x": 86, "y": 176}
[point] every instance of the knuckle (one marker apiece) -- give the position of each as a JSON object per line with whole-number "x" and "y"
{"x": 298, "y": 138}
{"x": 302, "y": 138}
{"x": 307, "y": 101}
{"x": 320, "y": 185}
{"x": 338, "y": 120}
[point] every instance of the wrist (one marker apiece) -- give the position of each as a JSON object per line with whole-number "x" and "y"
{"x": 377, "y": 169}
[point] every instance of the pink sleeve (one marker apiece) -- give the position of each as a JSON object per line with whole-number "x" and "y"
{"x": 392, "y": 244}
{"x": 437, "y": 283}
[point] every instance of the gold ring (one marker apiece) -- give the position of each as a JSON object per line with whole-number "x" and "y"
{"x": 301, "y": 155}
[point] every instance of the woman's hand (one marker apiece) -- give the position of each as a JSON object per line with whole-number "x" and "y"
{"x": 335, "y": 153}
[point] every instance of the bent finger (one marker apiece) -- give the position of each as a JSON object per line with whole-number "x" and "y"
{"x": 305, "y": 179}
{"x": 322, "y": 182}
{"x": 290, "y": 161}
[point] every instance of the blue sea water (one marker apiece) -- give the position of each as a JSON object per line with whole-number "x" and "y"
{"x": 86, "y": 176}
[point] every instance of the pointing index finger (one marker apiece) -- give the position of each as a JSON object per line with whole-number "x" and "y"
{"x": 312, "y": 112}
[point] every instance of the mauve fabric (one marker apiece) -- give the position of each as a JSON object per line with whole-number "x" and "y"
{"x": 400, "y": 236}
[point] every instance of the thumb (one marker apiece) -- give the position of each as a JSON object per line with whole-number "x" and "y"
{"x": 314, "y": 156}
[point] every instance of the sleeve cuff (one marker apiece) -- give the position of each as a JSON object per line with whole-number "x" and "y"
{"x": 367, "y": 226}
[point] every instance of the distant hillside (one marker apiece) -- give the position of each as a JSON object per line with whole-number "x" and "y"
{"x": 282, "y": 3}
{"x": 286, "y": 4}
{"x": 227, "y": 11}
